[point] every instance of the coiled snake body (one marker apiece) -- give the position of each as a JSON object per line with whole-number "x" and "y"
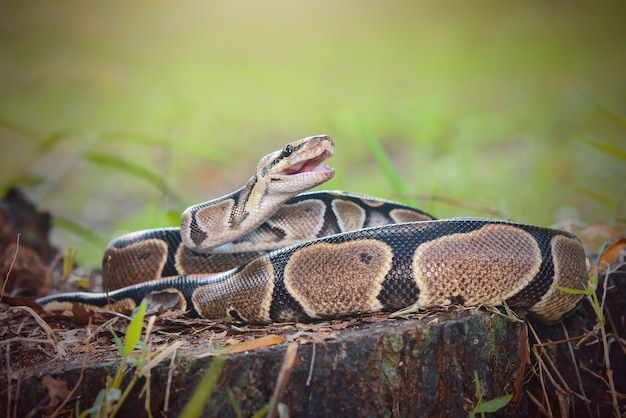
{"x": 268, "y": 253}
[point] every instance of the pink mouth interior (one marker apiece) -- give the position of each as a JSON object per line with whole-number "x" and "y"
{"x": 312, "y": 165}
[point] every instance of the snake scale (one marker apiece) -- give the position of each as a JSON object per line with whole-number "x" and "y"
{"x": 269, "y": 253}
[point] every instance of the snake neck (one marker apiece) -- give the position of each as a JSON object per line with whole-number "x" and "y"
{"x": 279, "y": 176}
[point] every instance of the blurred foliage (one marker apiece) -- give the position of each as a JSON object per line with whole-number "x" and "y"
{"x": 116, "y": 115}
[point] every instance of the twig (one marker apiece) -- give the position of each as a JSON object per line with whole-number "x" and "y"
{"x": 18, "y": 387}
{"x": 168, "y": 386}
{"x": 576, "y": 370}
{"x": 620, "y": 341}
{"x": 457, "y": 203}
{"x": 605, "y": 345}
{"x": 8, "y": 374}
{"x": 540, "y": 373}
{"x": 27, "y": 340}
{"x": 540, "y": 408}
{"x": 283, "y": 378}
{"x": 594, "y": 374}
{"x": 310, "y": 376}
{"x": 6, "y": 278}
{"x": 60, "y": 350}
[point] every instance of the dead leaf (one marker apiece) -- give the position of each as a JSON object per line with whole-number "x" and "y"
{"x": 611, "y": 255}
{"x": 164, "y": 301}
{"x": 246, "y": 346}
{"x": 596, "y": 235}
{"x": 82, "y": 315}
{"x": 57, "y": 390}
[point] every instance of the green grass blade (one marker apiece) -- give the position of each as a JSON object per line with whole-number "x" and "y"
{"x": 78, "y": 230}
{"x": 133, "y": 333}
{"x": 118, "y": 341}
{"x": 19, "y": 180}
{"x": 593, "y": 195}
{"x": 50, "y": 141}
{"x": 69, "y": 162}
{"x": 493, "y": 405}
{"x": 189, "y": 147}
{"x": 17, "y": 128}
{"x": 137, "y": 138}
{"x": 127, "y": 167}
{"x": 571, "y": 291}
{"x": 203, "y": 391}
{"x": 600, "y": 146}
{"x": 605, "y": 109}
{"x": 385, "y": 164}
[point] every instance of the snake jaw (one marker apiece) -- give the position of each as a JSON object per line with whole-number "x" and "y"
{"x": 314, "y": 164}
{"x": 304, "y": 167}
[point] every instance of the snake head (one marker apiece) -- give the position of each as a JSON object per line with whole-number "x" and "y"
{"x": 297, "y": 167}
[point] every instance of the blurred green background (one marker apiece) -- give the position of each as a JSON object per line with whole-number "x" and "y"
{"x": 117, "y": 115}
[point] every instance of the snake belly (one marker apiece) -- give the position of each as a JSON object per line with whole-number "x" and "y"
{"x": 268, "y": 252}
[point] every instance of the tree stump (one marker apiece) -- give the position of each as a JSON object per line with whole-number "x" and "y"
{"x": 388, "y": 368}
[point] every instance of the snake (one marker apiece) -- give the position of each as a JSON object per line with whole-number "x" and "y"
{"x": 274, "y": 251}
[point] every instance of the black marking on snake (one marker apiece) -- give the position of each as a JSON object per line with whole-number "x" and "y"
{"x": 282, "y": 301}
{"x": 236, "y": 315}
{"x": 196, "y": 234}
{"x": 396, "y": 251}
{"x": 239, "y": 212}
{"x": 532, "y": 293}
{"x": 282, "y": 156}
{"x": 457, "y": 300}
{"x": 398, "y": 289}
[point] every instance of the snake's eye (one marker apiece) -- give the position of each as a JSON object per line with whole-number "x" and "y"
{"x": 287, "y": 151}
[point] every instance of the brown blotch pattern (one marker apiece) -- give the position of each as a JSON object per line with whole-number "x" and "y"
{"x": 405, "y": 215}
{"x": 210, "y": 220}
{"x": 345, "y": 278}
{"x": 570, "y": 270}
{"x": 189, "y": 262}
{"x": 247, "y": 293}
{"x": 135, "y": 263}
{"x": 300, "y": 221}
{"x": 373, "y": 203}
{"x": 213, "y": 217}
{"x": 482, "y": 267}
{"x": 349, "y": 215}
{"x": 126, "y": 306}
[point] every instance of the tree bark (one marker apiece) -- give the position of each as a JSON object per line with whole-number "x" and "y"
{"x": 394, "y": 368}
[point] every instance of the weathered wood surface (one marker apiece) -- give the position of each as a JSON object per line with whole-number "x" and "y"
{"x": 390, "y": 368}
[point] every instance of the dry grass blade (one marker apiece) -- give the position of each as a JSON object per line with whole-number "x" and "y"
{"x": 458, "y": 203}
{"x": 8, "y": 373}
{"x": 540, "y": 408}
{"x": 245, "y": 346}
{"x": 605, "y": 344}
{"x": 576, "y": 368}
{"x": 6, "y": 278}
{"x": 283, "y": 378}
{"x": 51, "y": 338}
{"x": 168, "y": 386}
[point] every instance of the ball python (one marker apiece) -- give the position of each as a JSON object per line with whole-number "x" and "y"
{"x": 270, "y": 253}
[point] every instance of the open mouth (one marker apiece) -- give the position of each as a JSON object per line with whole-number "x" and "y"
{"x": 314, "y": 164}
{"x": 311, "y": 161}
